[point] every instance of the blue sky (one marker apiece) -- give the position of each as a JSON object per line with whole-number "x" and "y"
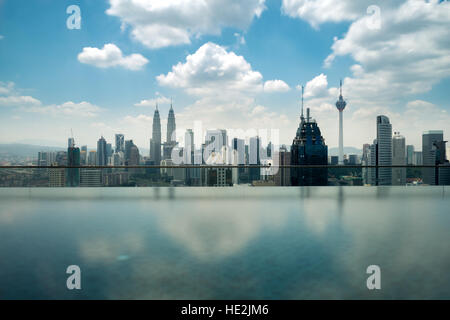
{"x": 49, "y": 83}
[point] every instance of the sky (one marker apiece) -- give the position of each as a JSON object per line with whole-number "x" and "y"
{"x": 225, "y": 64}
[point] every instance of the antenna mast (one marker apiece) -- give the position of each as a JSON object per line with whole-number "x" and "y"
{"x": 303, "y": 90}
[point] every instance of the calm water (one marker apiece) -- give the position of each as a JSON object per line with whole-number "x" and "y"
{"x": 232, "y": 243}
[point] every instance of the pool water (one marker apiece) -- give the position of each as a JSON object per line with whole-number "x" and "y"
{"x": 225, "y": 243}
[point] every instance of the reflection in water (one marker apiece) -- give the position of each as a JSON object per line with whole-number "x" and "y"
{"x": 248, "y": 243}
{"x": 214, "y": 229}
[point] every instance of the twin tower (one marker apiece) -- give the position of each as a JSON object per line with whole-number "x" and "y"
{"x": 155, "y": 141}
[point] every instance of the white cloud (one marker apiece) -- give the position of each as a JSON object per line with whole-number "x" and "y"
{"x": 69, "y": 108}
{"x": 157, "y": 23}
{"x": 317, "y": 87}
{"x": 317, "y": 12}
{"x": 10, "y": 98}
{"x": 211, "y": 70}
{"x": 276, "y": 86}
{"x": 407, "y": 56}
{"x": 411, "y": 118}
{"x": 225, "y": 87}
{"x": 111, "y": 56}
{"x": 160, "y": 100}
{"x": 19, "y": 101}
{"x": 6, "y": 88}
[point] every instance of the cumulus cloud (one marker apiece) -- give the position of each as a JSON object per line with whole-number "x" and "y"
{"x": 212, "y": 70}
{"x": 317, "y": 87}
{"x": 317, "y": 12}
{"x": 111, "y": 56}
{"x": 276, "y": 86}
{"x": 157, "y": 23}
{"x": 225, "y": 88}
{"x": 410, "y": 118}
{"x": 408, "y": 55}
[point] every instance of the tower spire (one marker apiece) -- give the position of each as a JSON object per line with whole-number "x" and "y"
{"x": 340, "y": 86}
{"x": 303, "y": 90}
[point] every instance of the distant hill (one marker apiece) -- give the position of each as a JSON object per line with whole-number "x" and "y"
{"x": 25, "y": 150}
{"x": 30, "y": 150}
{"x": 347, "y": 150}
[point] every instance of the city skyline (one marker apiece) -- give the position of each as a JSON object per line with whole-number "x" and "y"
{"x": 42, "y": 94}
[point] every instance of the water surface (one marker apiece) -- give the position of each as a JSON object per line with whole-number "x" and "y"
{"x": 225, "y": 243}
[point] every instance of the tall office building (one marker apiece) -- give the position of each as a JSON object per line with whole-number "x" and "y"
{"x": 384, "y": 150}
{"x": 128, "y": 145}
{"x": 340, "y": 105}
{"x": 92, "y": 158}
{"x": 254, "y": 148}
{"x": 84, "y": 155}
{"x": 409, "y": 154}
{"x": 309, "y": 148}
{"x": 216, "y": 139}
{"x": 71, "y": 143}
{"x": 102, "y": 152}
{"x": 192, "y": 175}
{"x": 239, "y": 146}
{"x": 46, "y": 158}
{"x": 120, "y": 142}
{"x": 398, "y": 159}
{"x": 155, "y": 142}
{"x": 370, "y": 174}
{"x": 283, "y": 176}
{"x": 417, "y": 158}
{"x": 171, "y": 126}
{"x": 134, "y": 156}
{"x": 189, "y": 147}
{"x": 73, "y": 160}
{"x": 170, "y": 135}
{"x": 433, "y": 153}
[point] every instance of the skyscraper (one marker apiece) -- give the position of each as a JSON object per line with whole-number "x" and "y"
{"x": 102, "y": 152}
{"x": 70, "y": 143}
{"x": 83, "y": 155}
{"x": 155, "y": 142}
{"x": 340, "y": 105}
{"x": 254, "y": 147}
{"x": 433, "y": 153}
{"x": 398, "y": 159}
{"x": 384, "y": 150}
{"x": 171, "y": 135}
{"x": 409, "y": 154}
{"x": 309, "y": 148}
{"x": 171, "y": 126}
{"x": 73, "y": 160}
{"x": 189, "y": 147}
{"x": 120, "y": 142}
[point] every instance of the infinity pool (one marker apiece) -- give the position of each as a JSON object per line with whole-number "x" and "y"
{"x": 230, "y": 243}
